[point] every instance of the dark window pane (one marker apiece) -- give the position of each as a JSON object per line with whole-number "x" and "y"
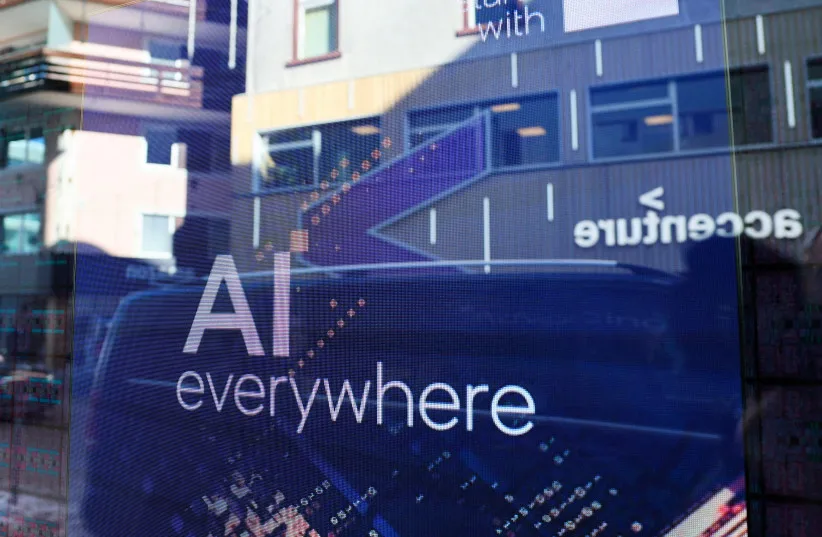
{"x": 166, "y": 50}
{"x": 419, "y": 137}
{"x": 441, "y": 116}
{"x": 815, "y": 69}
{"x": 346, "y": 146}
{"x": 159, "y": 146}
{"x": 525, "y": 132}
{"x": 284, "y": 168}
{"x": 816, "y": 112}
{"x": 300, "y": 134}
{"x": 629, "y": 93}
{"x": 703, "y": 112}
{"x": 633, "y": 132}
{"x": 198, "y": 150}
{"x": 751, "y": 107}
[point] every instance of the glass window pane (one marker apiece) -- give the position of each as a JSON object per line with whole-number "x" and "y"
{"x": 751, "y": 107}
{"x": 12, "y": 225}
{"x": 30, "y": 233}
{"x": 419, "y": 137}
{"x": 320, "y": 31}
{"x": 815, "y": 69}
{"x": 285, "y": 168}
{"x": 633, "y": 132}
{"x": 159, "y": 146}
{"x": 300, "y": 134}
{"x": 16, "y": 148}
{"x": 629, "y": 93}
{"x": 703, "y": 112}
{"x": 156, "y": 234}
{"x": 36, "y": 146}
{"x": 816, "y": 112}
{"x": 441, "y": 116}
{"x": 525, "y": 132}
{"x": 347, "y": 148}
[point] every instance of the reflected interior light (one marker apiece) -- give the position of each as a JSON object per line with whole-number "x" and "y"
{"x": 528, "y": 132}
{"x": 364, "y": 130}
{"x": 654, "y": 121}
{"x": 507, "y": 107}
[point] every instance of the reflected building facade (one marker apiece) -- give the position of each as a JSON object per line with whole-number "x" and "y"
{"x": 600, "y": 133}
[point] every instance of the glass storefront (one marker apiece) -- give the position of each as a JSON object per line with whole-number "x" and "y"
{"x": 428, "y": 268}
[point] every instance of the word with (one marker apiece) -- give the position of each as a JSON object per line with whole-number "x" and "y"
{"x": 250, "y": 395}
{"x": 489, "y": 26}
{"x": 784, "y": 224}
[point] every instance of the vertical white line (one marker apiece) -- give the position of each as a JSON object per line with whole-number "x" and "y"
{"x": 486, "y": 232}
{"x": 698, "y": 43}
{"x": 255, "y": 239}
{"x": 251, "y": 41}
{"x": 192, "y": 26}
{"x": 432, "y": 221}
{"x": 300, "y": 102}
{"x": 514, "y": 70}
{"x": 760, "y": 34}
{"x": 598, "y": 56}
{"x": 351, "y": 95}
{"x": 549, "y": 191}
{"x": 574, "y": 121}
{"x": 232, "y": 37}
{"x": 789, "y": 97}
{"x": 282, "y": 306}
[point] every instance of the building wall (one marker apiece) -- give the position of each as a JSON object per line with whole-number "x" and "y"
{"x": 789, "y": 36}
{"x": 102, "y": 185}
{"x": 777, "y": 174}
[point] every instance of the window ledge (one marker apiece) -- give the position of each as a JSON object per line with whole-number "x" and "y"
{"x": 316, "y": 59}
{"x": 468, "y": 31}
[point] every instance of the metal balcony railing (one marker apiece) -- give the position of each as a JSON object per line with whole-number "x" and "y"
{"x": 42, "y": 68}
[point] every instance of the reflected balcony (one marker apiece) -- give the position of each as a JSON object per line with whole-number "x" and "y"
{"x": 111, "y": 73}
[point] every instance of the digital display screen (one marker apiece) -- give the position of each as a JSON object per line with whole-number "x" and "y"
{"x": 416, "y": 268}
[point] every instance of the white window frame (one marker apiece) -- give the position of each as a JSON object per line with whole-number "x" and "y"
{"x": 263, "y": 148}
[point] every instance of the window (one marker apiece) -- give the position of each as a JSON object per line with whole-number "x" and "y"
{"x": 167, "y": 51}
{"x": 684, "y": 114}
{"x": 20, "y": 233}
{"x": 751, "y": 106}
{"x": 17, "y": 149}
{"x": 523, "y": 131}
{"x": 159, "y": 142}
{"x": 815, "y": 95}
{"x": 317, "y": 28}
{"x": 158, "y": 234}
{"x": 305, "y": 156}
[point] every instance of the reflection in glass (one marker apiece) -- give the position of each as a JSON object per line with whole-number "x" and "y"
{"x": 525, "y": 132}
{"x": 635, "y": 131}
{"x": 157, "y": 234}
{"x": 703, "y": 112}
